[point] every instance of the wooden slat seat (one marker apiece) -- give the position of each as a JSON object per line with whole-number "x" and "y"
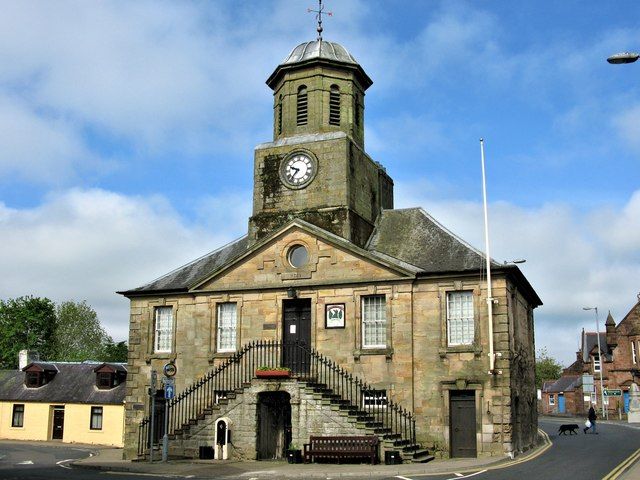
{"x": 338, "y": 448}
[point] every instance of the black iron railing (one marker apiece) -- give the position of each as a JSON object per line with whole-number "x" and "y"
{"x": 370, "y": 406}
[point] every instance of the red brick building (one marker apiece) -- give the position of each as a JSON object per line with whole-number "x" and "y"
{"x": 620, "y": 355}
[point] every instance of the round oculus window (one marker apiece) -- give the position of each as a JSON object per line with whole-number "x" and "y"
{"x": 298, "y": 256}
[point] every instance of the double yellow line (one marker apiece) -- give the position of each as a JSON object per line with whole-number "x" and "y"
{"x": 619, "y": 470}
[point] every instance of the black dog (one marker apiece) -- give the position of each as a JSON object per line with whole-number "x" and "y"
{"x": 572, "y": 428}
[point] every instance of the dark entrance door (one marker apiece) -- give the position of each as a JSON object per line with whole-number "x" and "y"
{"x": 274, "y": 425}
{"x": 58, "y": 423}
{"x": 296, "y": 335}
{"x": 462, "y": 408}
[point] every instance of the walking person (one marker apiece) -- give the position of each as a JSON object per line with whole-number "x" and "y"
{"x": 592, "y": 419}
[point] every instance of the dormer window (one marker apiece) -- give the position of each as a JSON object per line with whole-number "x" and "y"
{"x": 105, "y": 380}
{"x": 596, "y": 362}
{"x": 38, "y": 374}
{"x": 33, "y": 379}
{"x": 110, "y": 375}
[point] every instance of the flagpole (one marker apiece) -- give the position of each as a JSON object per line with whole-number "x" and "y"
{"x": 488, "y": 263}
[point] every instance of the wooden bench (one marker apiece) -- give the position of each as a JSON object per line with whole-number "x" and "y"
{"x": 341, "y": 447}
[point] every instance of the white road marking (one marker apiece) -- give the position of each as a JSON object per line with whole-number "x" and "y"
{"x": 61, "y": 463}
{"x": 150, "y": 475}
{"x": 402, "y": 478}
{"x": 26, "y": 462}
{"x": 459, "y": 475}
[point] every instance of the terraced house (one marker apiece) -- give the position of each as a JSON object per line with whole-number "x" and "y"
{"x": 363, "y": 318}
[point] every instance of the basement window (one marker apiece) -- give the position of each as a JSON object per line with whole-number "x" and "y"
{"x": 374, "y": 399}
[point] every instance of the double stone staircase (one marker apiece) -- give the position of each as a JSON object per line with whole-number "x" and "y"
{"x": 350, "y": 405}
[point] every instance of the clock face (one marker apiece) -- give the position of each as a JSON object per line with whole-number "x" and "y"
{"x": 298, "y": 170}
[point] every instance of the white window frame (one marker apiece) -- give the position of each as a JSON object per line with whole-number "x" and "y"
{"x": 227, "y": 327}
{"x": 552, "y": 400}
{"x": 97, "y": 418}
{"x": 374, "y": 399}
{"x": 596, "y": 363}
{"x": 163, "y": 330}
{"x": 462, "y": 316}
{"x": 633, "y": 352}
{"x": 374, "y": 321}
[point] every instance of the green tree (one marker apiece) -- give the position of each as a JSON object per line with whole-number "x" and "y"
{"x": 115, "y": 352}
{"x": 26, "y": 323}
{"x": 547, "y": 367}
{"x": 79, "y": 335}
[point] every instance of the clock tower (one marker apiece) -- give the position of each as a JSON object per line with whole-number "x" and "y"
{"x": 316, "y": 168}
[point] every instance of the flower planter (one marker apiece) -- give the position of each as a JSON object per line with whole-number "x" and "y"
{"x": 273, "y": 373}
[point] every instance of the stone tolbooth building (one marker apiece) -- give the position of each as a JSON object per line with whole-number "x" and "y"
{"x": 336, "y": 314}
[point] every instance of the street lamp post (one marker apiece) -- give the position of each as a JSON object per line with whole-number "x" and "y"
{"x": 604, "y": 413}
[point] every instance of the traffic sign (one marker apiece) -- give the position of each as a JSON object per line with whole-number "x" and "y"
{"x": 169, "y": 388}
{"x": 612, "y": 392}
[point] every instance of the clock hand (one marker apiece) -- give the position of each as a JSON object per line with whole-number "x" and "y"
{"x": 296, "y": 170}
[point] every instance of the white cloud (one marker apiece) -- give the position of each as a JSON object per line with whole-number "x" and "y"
{"x": 86, "y": 244}
{"x": 574, "y": 258}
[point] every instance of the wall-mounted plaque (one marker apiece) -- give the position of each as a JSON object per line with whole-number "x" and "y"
{"x": 334, "y": 317}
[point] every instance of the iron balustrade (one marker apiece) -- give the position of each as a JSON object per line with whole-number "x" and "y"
{"x": 370, "y": 406}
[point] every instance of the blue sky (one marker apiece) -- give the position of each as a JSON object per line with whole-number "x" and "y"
{"x": 128, "y": 131}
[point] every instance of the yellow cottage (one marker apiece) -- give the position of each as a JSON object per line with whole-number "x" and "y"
{"x": 68, "y": 402}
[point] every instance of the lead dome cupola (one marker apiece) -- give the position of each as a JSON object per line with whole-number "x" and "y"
{"x": 320, "y": 52}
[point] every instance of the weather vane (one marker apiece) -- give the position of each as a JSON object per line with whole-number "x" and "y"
{"x": 319, "y": 13}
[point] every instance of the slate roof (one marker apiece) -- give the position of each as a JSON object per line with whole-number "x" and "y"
{"x": 415, "y": 237}
{"x": 566, "y": 383}
{"x": 410, "y": 238}
{"x": 590, "y": 341}
{"x": 182, "y": 278}
{"x": 74, "y": 383}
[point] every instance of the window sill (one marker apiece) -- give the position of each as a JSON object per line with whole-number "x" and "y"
{"x": 160, "y": 356}
{"x": 387, "y": 352}
{"x": 214, "y": 355}
{"x": 475, "y": 349}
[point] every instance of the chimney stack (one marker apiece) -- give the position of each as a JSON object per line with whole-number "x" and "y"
{"x": 25, "y": 357}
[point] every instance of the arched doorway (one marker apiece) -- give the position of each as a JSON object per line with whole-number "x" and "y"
{"x": 274, "y": 425}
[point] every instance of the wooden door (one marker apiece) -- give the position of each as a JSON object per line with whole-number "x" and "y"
{"x": 296, "y": 334}
{"x": 462, "y": 427}
{"x": 274, "y": 425}
{"x": 58, "y": 423}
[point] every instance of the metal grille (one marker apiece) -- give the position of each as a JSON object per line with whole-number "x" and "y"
{"x": 302, "y": 106}
{"x": 460, "y": 318}
{"x": 334, "y": 105}
{"x": 374, "y": 321}
{"x": 227, "y": 327}
{"x": 280, "y": 115}
{"x": 164, "y": 329}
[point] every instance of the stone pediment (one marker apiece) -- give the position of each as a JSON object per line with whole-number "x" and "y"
{"x": 331, "y": 260}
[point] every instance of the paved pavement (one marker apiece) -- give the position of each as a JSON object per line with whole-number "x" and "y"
{"x": 110, "y": 459}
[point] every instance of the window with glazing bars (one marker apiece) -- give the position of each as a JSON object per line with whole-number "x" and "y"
{"x": 596, "y": 362}
{"x": 17, "y": 419}
{"x": 302, "y": 106}
{"x": 334, "y": 105}
{"x": 460, "y": 325}
{"x": 374, "y": 399}
{"x": 163, "y": 329}
{"x": 227, "y": 325}
{"x": 96, "y": 418}
{"x": 374, "y": 322}
{"x": 633, "y": 352}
